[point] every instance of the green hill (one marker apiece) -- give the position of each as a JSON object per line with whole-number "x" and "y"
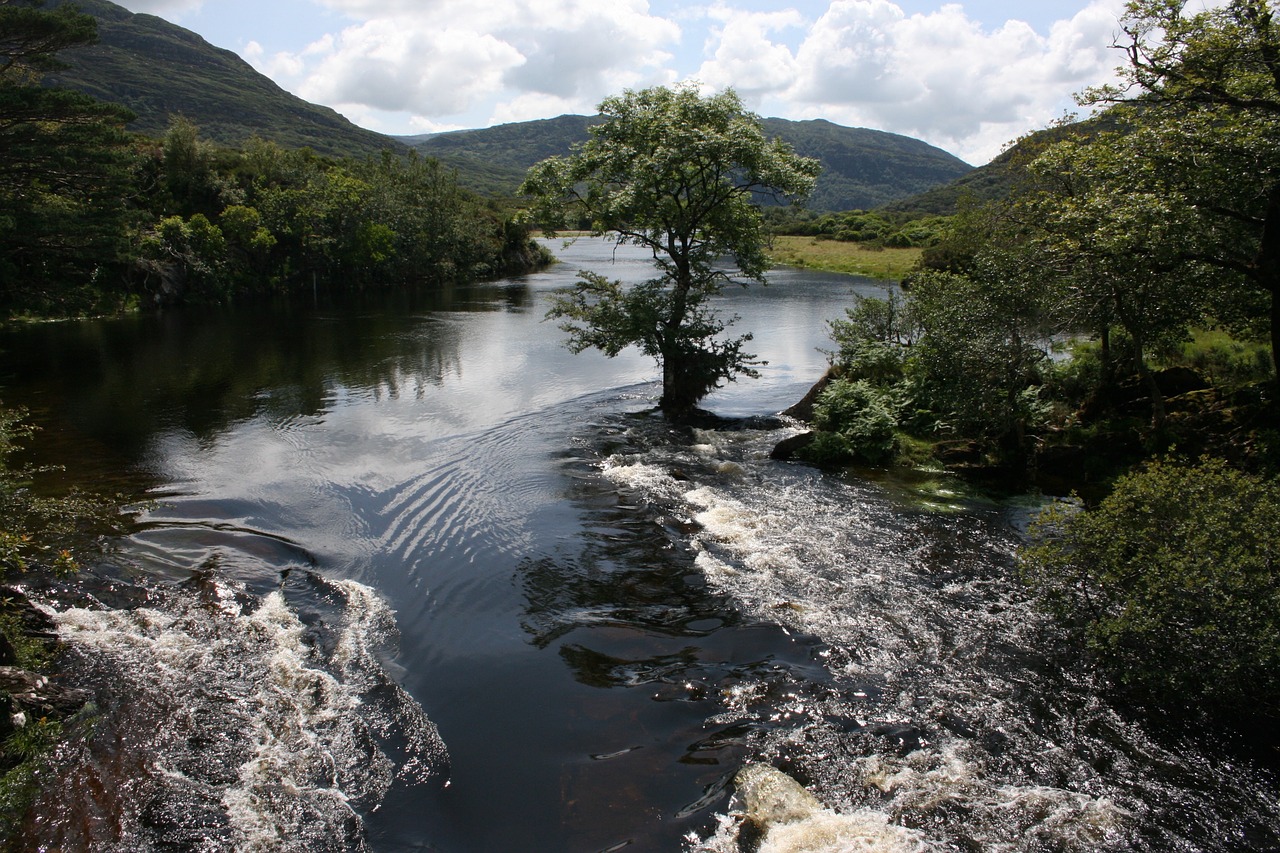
{"x": 158, "y": 69}
{"x": 861, "y": 168}
{"x": 997, "y": 179}
{"x": 864, "y": 169}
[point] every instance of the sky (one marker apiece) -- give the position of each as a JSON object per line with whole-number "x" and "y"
{"x": 969, "y": 76}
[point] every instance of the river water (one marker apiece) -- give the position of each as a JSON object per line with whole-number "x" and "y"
{"x": 407, "y": 575}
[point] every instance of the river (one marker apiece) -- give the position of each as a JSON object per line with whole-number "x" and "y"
{"x": 408, "y": 575}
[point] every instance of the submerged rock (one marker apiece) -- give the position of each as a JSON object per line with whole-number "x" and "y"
{"x": 783, "y": 817}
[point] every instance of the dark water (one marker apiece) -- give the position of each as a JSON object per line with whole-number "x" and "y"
{"x": 410, "y": 576}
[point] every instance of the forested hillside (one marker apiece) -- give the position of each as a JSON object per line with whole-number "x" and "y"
{"x": 95, "y": 219}
{"x": 861, "y": 168}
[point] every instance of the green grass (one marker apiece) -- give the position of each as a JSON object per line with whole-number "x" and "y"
{"x": 845, "y": 257}
{"x": 1224, "y": 360}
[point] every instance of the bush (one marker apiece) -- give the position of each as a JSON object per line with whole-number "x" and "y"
{"x": 860, "y": 415}
{"x": 1173, "y": 584}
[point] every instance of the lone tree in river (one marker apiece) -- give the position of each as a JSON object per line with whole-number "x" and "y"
{"x": 679, "y": 174}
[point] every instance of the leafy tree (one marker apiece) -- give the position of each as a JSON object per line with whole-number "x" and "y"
{"x": 983, "y": 339}
{"x": 1115, "y": 245}
{"x": 675, "y": 172}
{"x": 1206, "y": 116}
{"x": 1173, "y": 583}
{"x": 874, "y": 338}
{"x": 189, "y": 256}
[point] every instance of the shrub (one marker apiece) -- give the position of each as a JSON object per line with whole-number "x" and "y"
{"x": 1172, "y": 583}
{"x": 860, "y": 415}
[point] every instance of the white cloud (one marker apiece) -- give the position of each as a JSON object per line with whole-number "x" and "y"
{"x": 940, "y": 75}
{"x": 447, "y": 57}
{"x": 744, "y": 55}
{"x": 394, "y": 64}
{"x": 943, "y": 77}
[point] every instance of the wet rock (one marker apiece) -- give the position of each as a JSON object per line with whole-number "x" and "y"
{"x": 781, "y": 815}
{"x": 38, "y": 694}
{"x": 787, "y": 449}
{"x": 803, "y": 410}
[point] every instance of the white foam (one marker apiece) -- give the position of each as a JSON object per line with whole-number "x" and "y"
{"x": 292, "y": 727}
{"x": 789, "y": 819}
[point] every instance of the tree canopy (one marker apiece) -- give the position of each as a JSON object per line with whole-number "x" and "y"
{"x": 679, "y": 174}
{"x": 1201, "y": 97}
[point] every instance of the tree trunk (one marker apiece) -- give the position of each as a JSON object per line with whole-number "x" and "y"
{"x": 680, "y": 388}
{"x": 1267, "y": 265}
{"x": 1158, "y": 412}
{"x": 1108, "y": 367}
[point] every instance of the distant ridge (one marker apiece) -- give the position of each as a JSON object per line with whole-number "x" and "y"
{"x": 998, "y": 179}
{"x": 861, "y": 168}
{"x": 158, "y": 69}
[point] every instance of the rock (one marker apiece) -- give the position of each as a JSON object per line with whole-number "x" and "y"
{"x": 803, "y": 410}
{"x": 786, "y": 450}
{"x": 38, "y": 694}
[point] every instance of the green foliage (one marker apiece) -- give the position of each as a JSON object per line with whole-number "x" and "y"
{"x": 62, "y": 165}
{"x": 1222, "y": 359}
{"x": 677, "y": 173}
{"x": 1173, "y": 584}
{"x": 874, "y": 338}
{"x": 982, "y": 345}
{"x": 860, "y": 416}
{"x": 1200, "y": 149}
{"x": 24, "y": 752}
{"x": 873, "y": 228}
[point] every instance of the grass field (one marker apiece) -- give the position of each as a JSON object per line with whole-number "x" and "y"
{"x": 837, "y": 256}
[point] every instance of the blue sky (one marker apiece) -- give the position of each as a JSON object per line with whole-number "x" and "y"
{"x": 968, "y": 76}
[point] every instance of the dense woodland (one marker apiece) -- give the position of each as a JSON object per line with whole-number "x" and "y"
{"x": 97, "y": 220}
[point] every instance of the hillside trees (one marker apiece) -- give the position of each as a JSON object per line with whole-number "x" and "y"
{"x": 1115, "y": 248}
{"x": 63, "y": 163}
{"x": 268, "y": 219}
{"x": 674, "y": 172}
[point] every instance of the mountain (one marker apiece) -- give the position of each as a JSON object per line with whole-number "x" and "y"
{"x": 158, "y": 69}
{"x": 861, "y": 168}
{"x": 494, "y": 160}
{"x": 999, "y": 178}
